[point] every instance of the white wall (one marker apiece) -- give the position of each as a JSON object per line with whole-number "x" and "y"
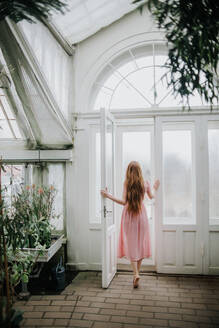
{"x": 84, "y": 241}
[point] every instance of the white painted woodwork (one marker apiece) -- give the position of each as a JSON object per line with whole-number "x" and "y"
{"x": 179, "y": 241}
{"x": 108, "y": 225}
{"x": 21, "y": 155}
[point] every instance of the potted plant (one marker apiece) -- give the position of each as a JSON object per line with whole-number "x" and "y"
{"x": 25, "y": 235}
{"x": 11, "y": 271}
{"x": 33, "y": 209}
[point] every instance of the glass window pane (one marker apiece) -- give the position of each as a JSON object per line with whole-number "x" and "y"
{"x": 15, "y": 129}
{"x": 5, "y": 131}
{"x": 98, "y": 178}
{"x": 2, "y": 115}
{"x": 141, "y": 153}
{"x": 56, "y": 179}
{"x": 142, "y": 81}
{"x": 12, "y": 177}
{"x": 98, "y": 173}
{"x": 160, "y": 60}
{"x": 145, "y": 61}
{"x": 177, "y": 177}
{"x": 126, "y": 96}
{"x": 7, "y": 108}
{"x": 213, "y": 150}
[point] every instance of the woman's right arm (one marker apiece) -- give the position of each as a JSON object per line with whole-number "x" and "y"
{"x": 122, "y": 201}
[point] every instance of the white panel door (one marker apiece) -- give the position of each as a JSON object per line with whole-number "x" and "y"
{"x": 178, "y": 213}
{"x": 109, "y": 251}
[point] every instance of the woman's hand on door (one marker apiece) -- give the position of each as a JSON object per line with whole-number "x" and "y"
{"x": 104, "y": 193}
{"x": 156, "y": 184}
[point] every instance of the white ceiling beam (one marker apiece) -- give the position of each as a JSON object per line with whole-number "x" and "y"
{"x": 35, "y": 155}
{"x": 70, "y": 50}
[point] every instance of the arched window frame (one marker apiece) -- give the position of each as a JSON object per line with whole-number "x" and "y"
{"x": 152, "y": 49}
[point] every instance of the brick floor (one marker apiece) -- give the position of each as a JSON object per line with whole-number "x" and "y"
{"x": 160, "y": 301}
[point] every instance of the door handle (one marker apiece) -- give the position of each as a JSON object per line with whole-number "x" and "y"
{"x": 105, "y": 211}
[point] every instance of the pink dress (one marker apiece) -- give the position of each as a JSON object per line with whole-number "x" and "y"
{"x": 134, "y": 237}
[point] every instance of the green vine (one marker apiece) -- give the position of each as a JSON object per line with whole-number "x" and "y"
{"x": 192, "y": 31}
{"x": 29, "y": 10}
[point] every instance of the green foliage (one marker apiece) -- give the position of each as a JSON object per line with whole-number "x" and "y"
{"x": 11, "y": 319}
{"x": 191, "y": 28}
{"x": 29, "y": 10}
{"x": 32, "y": 209}
{"x": 26, "y": 223}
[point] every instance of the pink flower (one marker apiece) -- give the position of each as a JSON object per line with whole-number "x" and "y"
{"x": 28, "y": 187}
{"x": 40, "y": 190}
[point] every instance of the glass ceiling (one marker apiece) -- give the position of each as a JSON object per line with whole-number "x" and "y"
{"x": 86, "y": 17}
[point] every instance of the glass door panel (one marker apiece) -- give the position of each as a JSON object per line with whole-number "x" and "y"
{"x": 213, "y": 153}
{"x": 136, "y": 144}
{"x": 178, "y": 176}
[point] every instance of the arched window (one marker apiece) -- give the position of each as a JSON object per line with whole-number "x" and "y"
{"x": 136, "y": 80}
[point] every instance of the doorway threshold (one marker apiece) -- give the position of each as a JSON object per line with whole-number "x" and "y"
{"x": 144, "y": 268}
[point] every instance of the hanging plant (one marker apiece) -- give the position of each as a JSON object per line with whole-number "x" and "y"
{"x": 30, "y": 10}
{"x": 192, "y": 31}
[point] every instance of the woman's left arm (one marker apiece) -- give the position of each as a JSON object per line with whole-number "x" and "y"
{"x": 155, "y": 187}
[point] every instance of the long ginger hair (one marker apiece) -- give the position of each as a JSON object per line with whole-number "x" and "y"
{"x": 135, "y": 187}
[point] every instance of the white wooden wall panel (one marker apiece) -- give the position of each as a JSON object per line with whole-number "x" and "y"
{"x": 169, "y": 248}
{"x": 213, "y": 251}
{"x": 189, "y": 248}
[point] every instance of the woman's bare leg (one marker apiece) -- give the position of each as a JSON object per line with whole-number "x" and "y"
{"x": 136, "y": 274}
{"x": 135, "y": 268}
{"x": 139, "y": 265}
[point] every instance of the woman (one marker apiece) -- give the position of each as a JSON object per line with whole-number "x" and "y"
{"x": 134, "y": 239}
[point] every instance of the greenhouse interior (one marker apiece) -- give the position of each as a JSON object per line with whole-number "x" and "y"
{"x": 109, "y": 163}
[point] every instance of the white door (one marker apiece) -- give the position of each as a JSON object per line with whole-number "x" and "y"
{"x": 109, "y": 251}
{"x": 179, "y": 214}
{"x": 210, "y": 131}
